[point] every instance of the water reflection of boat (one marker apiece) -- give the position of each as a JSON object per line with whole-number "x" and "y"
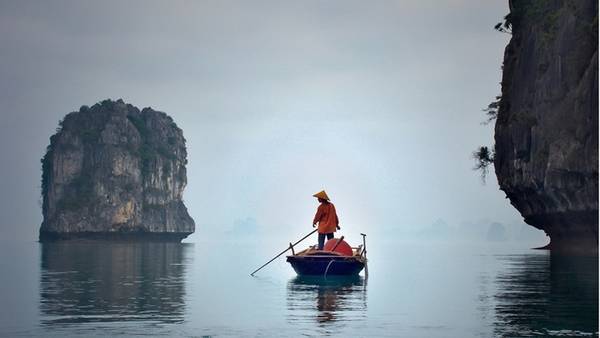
{"x": 103, "y": 282}
{"x": 327, "y": 299}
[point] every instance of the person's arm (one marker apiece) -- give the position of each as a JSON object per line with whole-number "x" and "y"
{"x": 337, "y": 220}
{"x": 318, "y": 215}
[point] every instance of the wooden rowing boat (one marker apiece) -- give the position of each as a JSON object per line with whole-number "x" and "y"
{"x": 313, "y": 262}
{"x": 338, "y": 258}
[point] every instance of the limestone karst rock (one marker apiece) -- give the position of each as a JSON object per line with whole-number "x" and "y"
{"x": 113, "y": 171}
{"x": 546, "y": 131}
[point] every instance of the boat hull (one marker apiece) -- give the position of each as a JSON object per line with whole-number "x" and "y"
{"x": 326, "y": 265}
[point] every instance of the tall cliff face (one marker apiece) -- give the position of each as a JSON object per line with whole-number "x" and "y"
{"x": 546, "y": 132}
{"x": 115, "y": 171}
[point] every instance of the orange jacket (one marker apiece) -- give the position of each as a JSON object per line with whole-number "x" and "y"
{"x": 327, "y": 218}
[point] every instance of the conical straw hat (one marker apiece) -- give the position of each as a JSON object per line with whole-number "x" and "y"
{"x": 322, "y": 194}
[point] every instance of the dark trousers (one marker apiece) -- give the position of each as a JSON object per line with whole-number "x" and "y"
{"x": 322, "y": 239}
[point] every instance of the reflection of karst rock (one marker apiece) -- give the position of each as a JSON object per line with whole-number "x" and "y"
{"x": 547, "y": 295}
{"x": 88, "y": 282}
{"x": 547, "y": 127}
{"x": 115, "y": 171}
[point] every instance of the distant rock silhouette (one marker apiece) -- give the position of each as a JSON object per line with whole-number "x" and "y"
{"x": 437, "y": 230}
{"x": 244, "y": 227}
{"x": 496, "y": 232}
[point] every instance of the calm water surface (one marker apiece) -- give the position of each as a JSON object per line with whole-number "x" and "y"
{"x": 203, "y": 289}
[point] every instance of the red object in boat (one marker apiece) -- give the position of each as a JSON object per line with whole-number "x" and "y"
{"x": 343, "y": 248}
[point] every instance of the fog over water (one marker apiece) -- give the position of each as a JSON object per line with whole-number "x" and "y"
{"x": 379, "y": 103}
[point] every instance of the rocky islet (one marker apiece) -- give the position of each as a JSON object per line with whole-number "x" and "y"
{"x": 546, "y": 133}
{"x": 113, "y": 171}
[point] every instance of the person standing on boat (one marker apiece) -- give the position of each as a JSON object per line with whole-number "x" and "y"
{"x": 326, "y": 217}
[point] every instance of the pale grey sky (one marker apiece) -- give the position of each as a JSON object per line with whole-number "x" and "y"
{"x": 378, "y": 102}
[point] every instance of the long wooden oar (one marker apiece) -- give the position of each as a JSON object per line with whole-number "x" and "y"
{"x": 284, "y": 251}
